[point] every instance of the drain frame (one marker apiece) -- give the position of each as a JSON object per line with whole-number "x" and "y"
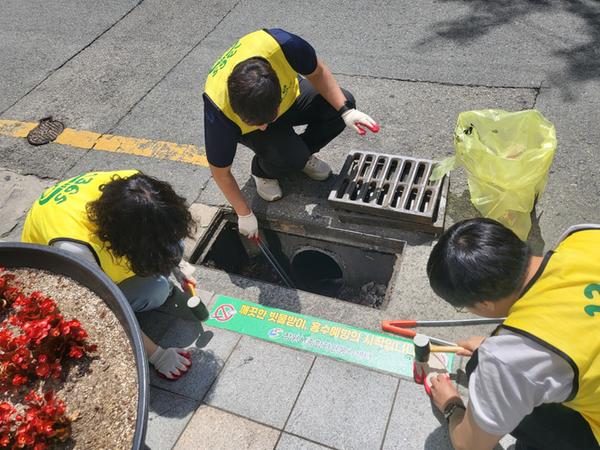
{"x": 359, "y": 242}
{"x": 393, "y": 187}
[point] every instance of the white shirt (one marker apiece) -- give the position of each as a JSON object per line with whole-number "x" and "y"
{"x": 514, "y": 375}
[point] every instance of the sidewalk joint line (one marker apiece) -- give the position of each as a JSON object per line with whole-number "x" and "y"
{"x": 387, "y": 424}
{"x": 201, "y": 401}
{"x": 281, "y": 431}
{"x": 53, "y": 71}
{"x": 222, "y": 369}
{"x": 304, "y": 438}
{"x": 176, "y": 394}
{"x": 297, "y": 396}
{"x": 440, "y": 83}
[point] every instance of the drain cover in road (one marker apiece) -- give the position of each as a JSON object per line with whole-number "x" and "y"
{"x": 336, "y": 340}
{"x": 46, "y": 131}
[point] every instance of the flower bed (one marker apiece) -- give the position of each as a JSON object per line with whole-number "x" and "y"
{"x": 67, "y": 373}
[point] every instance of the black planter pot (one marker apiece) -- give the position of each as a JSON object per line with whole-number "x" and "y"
{"x": 16, "y": 255}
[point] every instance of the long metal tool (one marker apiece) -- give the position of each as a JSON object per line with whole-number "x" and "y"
{"x": 446, "y": 323}
{"x": 273, "y": 261}
{"x": 401, "y": 327}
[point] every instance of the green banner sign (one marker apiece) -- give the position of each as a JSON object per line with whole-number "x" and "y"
{"x": 355, "y": 345}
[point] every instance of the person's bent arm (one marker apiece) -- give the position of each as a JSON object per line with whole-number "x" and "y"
{"x": 465, "y": 434}
{"x": 247, "y": 223}
{"x": 326, "y": 85}
{"x": 230, "y": 188}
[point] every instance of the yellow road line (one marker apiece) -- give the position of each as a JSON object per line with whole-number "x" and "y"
{"x": 87, "y": 140}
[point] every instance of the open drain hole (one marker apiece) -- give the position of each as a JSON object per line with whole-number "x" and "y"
{"x": 316, "y": 271}
{"x": 342, "y": 270}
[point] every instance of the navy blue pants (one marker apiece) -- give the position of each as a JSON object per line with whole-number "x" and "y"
{"x": 279, "y": 151}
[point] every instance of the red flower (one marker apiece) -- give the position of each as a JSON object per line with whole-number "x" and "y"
{"x": 19, "y": 380}
{"x": 39, "y": 340}
{"x": 36, "y": 330}
{"x": 76, "y": 352}
{"x": 5, "y": 338}
{"x": 42, "y": 370}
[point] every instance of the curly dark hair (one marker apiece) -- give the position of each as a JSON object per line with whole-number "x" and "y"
{"x": 144, "y": 220}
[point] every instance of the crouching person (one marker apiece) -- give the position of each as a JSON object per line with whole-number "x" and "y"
{"x": 538, "y": 376}
{"x": 132, "y": 226}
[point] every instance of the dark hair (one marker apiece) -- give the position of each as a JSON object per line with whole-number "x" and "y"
{"x": 144, "y": 220}
{"x": 476, "y": 260}
{"x": 254, "y": 91}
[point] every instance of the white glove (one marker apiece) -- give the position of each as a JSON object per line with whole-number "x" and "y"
{"x": 171, "y": 363}
{"x": 248, "y": 226}
{"x": 353, "y": 118}
{"x": 183, "y": 273}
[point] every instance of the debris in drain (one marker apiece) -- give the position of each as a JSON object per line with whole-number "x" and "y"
{"x": 370, "y": 294}
{"x": 46, "y": 131}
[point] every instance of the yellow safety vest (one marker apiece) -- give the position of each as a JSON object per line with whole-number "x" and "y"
{"x": 256, "y": 44}
{"x": 60, "y": 214}
{"x": 561, "y": 310}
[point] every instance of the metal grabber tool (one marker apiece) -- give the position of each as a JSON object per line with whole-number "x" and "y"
{"x": 401, "y": 327}
{"x": 273, "y": 261}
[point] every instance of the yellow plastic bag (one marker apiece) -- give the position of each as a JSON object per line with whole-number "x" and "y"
{"x": 507, "y": 156}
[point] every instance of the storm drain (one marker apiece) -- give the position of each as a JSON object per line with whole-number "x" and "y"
{"x": 391, "y": 186}
{"x": 336, "y": 268}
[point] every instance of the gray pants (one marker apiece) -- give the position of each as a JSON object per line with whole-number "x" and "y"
{"x": 146, "y": 293}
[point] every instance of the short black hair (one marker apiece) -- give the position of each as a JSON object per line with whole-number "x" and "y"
{"x": 477, "y": 260}
{"x": 142, "y": 218}
{"x": 254, "y": 91}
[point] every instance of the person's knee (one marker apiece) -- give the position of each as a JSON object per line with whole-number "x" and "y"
{"x": 145, "y": 294}
{"x": 290, "y": 163}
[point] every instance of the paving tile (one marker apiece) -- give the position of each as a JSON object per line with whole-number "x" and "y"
{"x": 154, "y": 324}
{"x": 289, "y": 442}
{"x": 209, "y": 348}
{"x": 343, "y": 406}
{"x": 413, "y": 423}
{"x": 214, "y": 429}
{"x": 416, "y": 423}
{"x": 167, "y": 417}
{"x": 261, "y": 381}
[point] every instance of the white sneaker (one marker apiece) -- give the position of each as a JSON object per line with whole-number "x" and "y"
{"x": 267, "y": 188}
{"x": 317, "y": 169}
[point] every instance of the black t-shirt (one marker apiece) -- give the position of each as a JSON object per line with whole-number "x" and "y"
{"x": 221, "y": 135}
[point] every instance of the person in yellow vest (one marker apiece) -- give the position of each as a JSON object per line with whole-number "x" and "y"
{"x": 129, "y": 224}
{"x": 268, "y": 82}
{"x": 538, "y": 376}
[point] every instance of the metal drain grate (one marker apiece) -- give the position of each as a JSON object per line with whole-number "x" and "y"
{"x": 393, "y": 186}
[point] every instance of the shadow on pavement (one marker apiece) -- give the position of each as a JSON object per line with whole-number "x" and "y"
{"x": 582, "y": 61}
{"x": 484, "y": 16}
